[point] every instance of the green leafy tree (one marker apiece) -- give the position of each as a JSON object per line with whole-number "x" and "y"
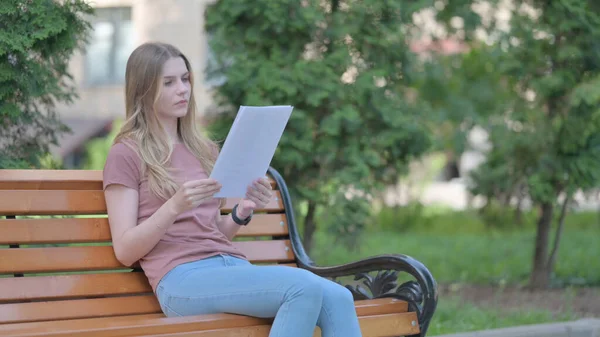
{"x": 37, "y": 39}
{"x": 343, "y": 65}
{"x": 458, "y": 92}
{"x": 548, "y": 136}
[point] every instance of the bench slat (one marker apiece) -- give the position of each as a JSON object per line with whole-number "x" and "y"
{"x": 51, "y": 180}
{"x": 60, "y": 287}
{"x": 51, "y": 202}
{"x": 218, "y": 325}
{"x": 265, "y": 225}
{"x": 94, "y": 309}
{"x": 371, "y": 326}
{"x": 87, "y": 258}
{"x": 69, "y": 230}
{"x": 13, "y": 289}
{"x": 275, "y": 205}
{"x": 54, "y": 259}
{"x": 57, "y": 180}
{"x": 73, "y": 230}
{"x": 85, "y": 308}
{"x": 64, "y": 202}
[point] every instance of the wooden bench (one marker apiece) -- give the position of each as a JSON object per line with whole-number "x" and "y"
{"x": 59, "y": 276}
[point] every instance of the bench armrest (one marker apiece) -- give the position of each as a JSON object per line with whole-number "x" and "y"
{"x": 420, "y": 294}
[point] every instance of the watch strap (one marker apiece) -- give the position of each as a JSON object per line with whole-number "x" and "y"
{"x": 241, "y": 222}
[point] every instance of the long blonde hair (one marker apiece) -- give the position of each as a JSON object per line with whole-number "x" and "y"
{"x": 142, "y": 126}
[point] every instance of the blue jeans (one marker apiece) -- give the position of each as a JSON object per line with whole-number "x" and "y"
{"x": 298, "y": 299}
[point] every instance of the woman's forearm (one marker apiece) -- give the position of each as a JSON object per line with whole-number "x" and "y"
{"x": 139, "y": 240}
{"x": 227, "y": 226}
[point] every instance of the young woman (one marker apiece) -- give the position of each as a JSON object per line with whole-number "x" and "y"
{"x": 163, "y": 213}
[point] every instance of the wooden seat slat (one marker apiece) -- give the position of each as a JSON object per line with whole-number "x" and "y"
{"x": 56, "y": 180}
{"x": 77, "y": 230}
{"x": 62, "y": 230}
{"x": 265, "y": 225}
{"x": 370, "y": 326}
{"x": 58, "y": 287}
{"x": 150, "y": 316}
{"x": 224, "y": 325}
{"x": 274, "y": 206}
{"x": 293, "y": 265}
{"x": 56, "y": 259}
{"x": 51, "y": 180}
{"x": 71, "y": 286}
{"x": 83, "y": 308}
{"x": 67, "y": 202}
{"x": 88, "y": 258}
{"x": 52, "y": 202}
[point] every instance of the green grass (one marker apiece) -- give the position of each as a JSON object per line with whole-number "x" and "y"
{"x": 454, "y": 316}
{"x": 501, "y": 258}
{"x": 470, "y": 246}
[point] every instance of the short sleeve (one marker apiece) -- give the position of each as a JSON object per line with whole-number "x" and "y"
{"x": 123, "y": 166}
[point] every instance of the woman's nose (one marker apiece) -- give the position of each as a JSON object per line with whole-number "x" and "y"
{"x": 181, "y": 87}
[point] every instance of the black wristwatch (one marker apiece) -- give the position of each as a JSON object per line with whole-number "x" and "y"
{"x": 241, "y": 222}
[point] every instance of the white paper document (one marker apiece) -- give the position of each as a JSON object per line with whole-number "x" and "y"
{"x": 249, "y": 148}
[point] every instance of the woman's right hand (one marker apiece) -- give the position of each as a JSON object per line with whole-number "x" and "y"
{"x": 194, "y": 193}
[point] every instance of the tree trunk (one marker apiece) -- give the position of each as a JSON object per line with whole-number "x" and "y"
{"x": 558, "y": 234}
{"x": 540, "y": 275}
{"x": 451, "y": 169}
{"x": 519, "y": 212}
{"x": 310, "y": 225}
{"x": 519, "y": 207}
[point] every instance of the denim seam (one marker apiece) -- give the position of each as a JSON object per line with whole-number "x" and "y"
{"x": 333, "y": 332}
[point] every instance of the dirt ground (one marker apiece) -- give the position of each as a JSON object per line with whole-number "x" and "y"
{"x": 582, "y": 302}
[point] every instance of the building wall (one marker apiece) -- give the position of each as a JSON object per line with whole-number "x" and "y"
{"x": 179, "y": 22}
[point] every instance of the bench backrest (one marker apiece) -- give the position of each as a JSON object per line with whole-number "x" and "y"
{"x": 56, "y": 259}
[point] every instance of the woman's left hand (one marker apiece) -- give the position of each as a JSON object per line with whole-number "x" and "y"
{"x": 258, "y": 195}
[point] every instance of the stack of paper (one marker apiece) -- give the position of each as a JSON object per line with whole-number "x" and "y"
{"x": 249, "y": 148}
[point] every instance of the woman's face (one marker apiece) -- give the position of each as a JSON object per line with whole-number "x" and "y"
{"x": 175, "y": 89}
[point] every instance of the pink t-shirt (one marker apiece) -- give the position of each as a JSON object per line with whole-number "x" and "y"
{"x": 194, "y": 234}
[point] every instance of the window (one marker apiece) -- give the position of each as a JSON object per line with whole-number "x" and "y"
{"x": 110, "y": 43}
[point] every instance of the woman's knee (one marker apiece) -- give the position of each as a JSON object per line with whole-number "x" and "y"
{"x": 304, "y": 284}
{"x": 337, "y": 294}
{"x": 338, "y": 315}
